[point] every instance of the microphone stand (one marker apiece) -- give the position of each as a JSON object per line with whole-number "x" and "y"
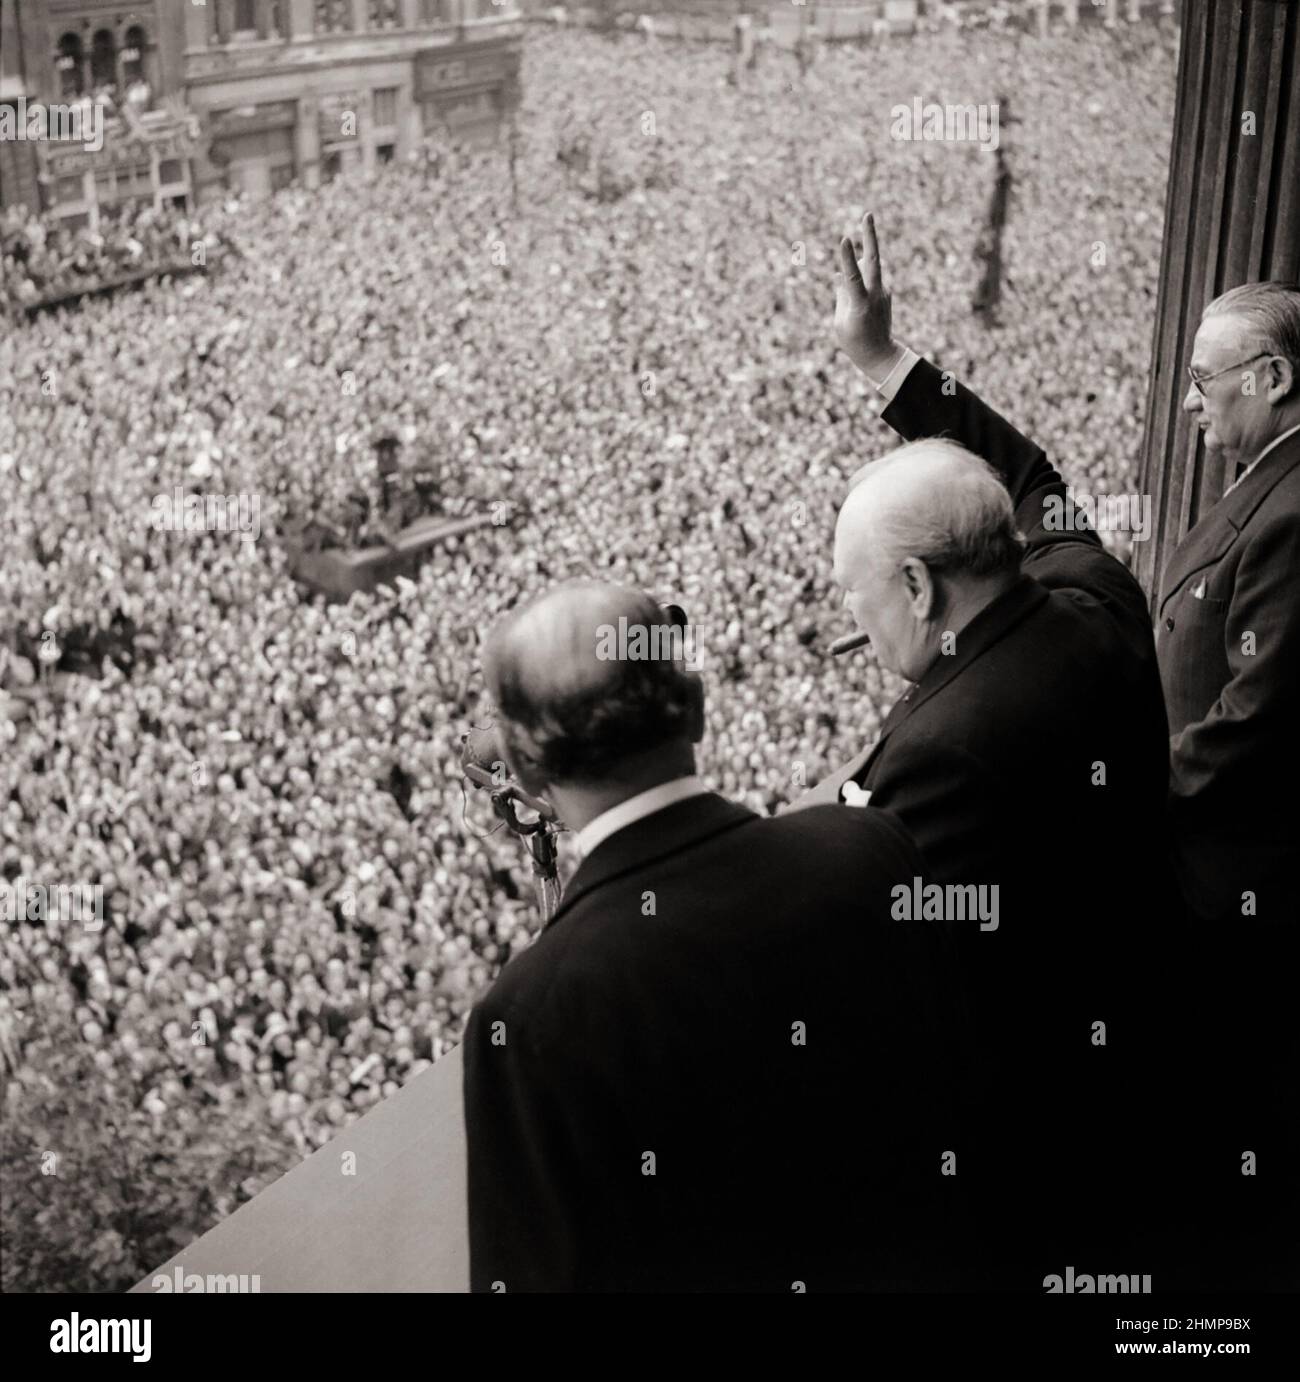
{"x": 539, "y": 839}
{"x": 538, "y": 836}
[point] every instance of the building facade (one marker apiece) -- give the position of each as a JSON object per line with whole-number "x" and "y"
{"x": 202, "y": 97}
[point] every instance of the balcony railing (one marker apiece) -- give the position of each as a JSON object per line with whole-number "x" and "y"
{"x": 379, "y": 1208}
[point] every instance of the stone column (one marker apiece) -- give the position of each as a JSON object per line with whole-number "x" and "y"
{"x": 307, "y": 142}
{"x": 199, "y": 25}
{"x": 301, "y": 18}
{"x": 413, "y": 134}
{"x": 1232, "y": 216}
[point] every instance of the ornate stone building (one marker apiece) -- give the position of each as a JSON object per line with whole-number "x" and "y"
{"x": 207, "y": 95}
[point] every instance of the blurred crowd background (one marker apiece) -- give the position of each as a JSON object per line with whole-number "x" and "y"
{"x": 616, "y": 328}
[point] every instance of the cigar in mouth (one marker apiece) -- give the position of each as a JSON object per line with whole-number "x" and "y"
{"x": 849, "y": 642}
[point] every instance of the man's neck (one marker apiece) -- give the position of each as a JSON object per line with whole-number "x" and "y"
{"x": 963, "y": 607}
{"x": 975, "y": 599}
{"x": 579, "y": 804}
{"x": 1286, "y": 428}
{"x": 1252, "y": 453}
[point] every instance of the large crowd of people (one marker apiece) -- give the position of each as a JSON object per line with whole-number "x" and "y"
{"x": 626, "y": 356}
{"x": 44, "y": 261}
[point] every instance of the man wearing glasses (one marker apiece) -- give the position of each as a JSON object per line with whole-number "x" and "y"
{"x": 1228, "y": 642}
{"x": 1228, "y": 620}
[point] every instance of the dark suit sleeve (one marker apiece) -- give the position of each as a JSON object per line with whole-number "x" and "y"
{"x": 1062, "y": 553}
{"x": 530, "y": 1126}
{"x": 520, "y": 1227}
{"x": 943, "y": 796}
{"x": 1217, "y": 761}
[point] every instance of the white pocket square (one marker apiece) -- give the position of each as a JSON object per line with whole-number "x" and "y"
{"x": 853, "y": 795}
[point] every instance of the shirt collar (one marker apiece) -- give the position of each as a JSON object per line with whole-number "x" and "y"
{"x": 1277, "y": 441}
{"x": 597, "y": 831}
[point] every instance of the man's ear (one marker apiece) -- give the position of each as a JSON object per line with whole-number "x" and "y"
{"x": 522, "y": 766}
{"x": 919, "y": 583}
{"x": 1280, "y": 380}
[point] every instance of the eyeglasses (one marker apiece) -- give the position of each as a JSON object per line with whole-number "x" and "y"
{"x": 1199, "y": 381}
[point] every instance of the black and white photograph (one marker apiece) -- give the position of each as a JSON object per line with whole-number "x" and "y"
{"x": 650, "y": 647}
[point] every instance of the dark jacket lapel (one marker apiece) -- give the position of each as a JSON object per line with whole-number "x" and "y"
{"x": 1218, "y": 529}
{"x": 988, "y": 627}
{"x": 666, "y": 832}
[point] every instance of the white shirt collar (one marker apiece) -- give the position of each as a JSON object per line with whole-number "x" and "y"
{"x": 597, "y": 831}
{"x": 1277, "y": 441}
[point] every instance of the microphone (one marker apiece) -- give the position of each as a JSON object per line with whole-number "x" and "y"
{"x": 483, "y": 761}
{"x": 849, "y": 642}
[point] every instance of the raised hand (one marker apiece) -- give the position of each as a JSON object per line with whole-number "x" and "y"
{"x": 863, "y": 311}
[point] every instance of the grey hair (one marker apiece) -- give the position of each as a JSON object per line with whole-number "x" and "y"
{"x": 1270, "y": 309}
{"x": 967, "y": 524}
{"x": 576, "y": 722}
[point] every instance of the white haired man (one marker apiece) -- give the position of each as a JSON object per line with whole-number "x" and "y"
{"x": 1029, "y": 758}
{"x": 1228, "y": 649}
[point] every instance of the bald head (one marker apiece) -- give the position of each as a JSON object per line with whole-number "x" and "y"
{"x": 580, "y": 693}
{"x": 932, "y": 500}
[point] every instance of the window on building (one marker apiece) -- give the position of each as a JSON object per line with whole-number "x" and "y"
{"x": 245, "y": 15}
{"x": 333, "y": 16}
{"x": 384, "y": 152}
{"x": 386, "y": 106}
{"x": 170, "y": 170}
{"x": 384, "y": 14}
{"x": 69, "y": 64}
{"x": 432, "y": 121}
{"x": 126, "y": 183}
{"x": 133, "y": 55}
{"x": 433, "y": 11}
{"x": 103, "y": 59}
